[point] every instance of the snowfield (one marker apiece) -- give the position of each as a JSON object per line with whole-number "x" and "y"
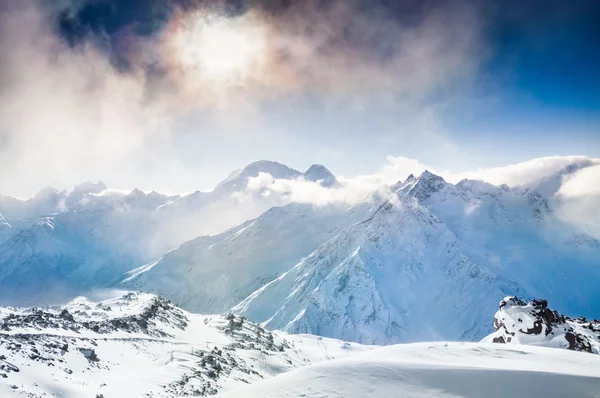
{"x": 140, "y": 345}
{"x": 435, "y": 370}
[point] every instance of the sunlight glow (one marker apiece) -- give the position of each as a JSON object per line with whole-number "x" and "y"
{"x": 220, "y": 48}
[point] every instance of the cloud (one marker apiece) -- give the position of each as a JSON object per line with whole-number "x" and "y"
{"x": 528, "y": 172}
{"x": 64, "y": 111}
{"x": 119, "y": 104}
{"x": 574, "y": 190}
{"x": 320, "y": 48}
{"x": 579, "y": 200}
{"x": 350, "y": 192}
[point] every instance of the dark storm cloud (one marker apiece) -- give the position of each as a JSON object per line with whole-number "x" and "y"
{"x": 116, "y": 25}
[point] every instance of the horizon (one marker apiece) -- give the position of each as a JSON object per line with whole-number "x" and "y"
{"x": 545, "y": 168}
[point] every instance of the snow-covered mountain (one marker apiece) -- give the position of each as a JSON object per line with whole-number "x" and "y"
{"x": 66, "y": 255}
{"x": 139, "y": 345}
{"x": 60, "y": 244}
{"x": 533, "y": 323}
{"x": 425, "y": 259}
{"x": 430, "y": 263}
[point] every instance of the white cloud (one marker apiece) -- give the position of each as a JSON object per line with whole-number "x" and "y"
{"x": 583, "y": 182}
{"x": 67, "y": 114}
{"x": 579, "y": 200}
{"x": 578, "y": 196}
{"x": 525, "y": 173}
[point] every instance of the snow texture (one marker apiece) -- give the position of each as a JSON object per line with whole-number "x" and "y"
{"x": 139, "y": 345}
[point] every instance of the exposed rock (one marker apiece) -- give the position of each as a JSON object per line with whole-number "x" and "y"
{"x": 518, "y": 322}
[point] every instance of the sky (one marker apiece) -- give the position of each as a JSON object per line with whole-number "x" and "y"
{"x": 173, "y": 96}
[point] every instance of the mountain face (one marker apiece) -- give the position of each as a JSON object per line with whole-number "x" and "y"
{"x": 517, "y": 322}
{"x": 398, "y": 276}
{"x": 65, "y": 255}
{"x": 213, "y": 273}
{"x": 429, "y": 264}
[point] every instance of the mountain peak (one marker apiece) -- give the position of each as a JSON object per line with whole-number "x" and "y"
{"x": 90, "y": 187}
{"x": 429, "y": 175}
{"x": 47, "y": 192}
{"x": 320, "y": 173}
{"x": 136, "y": 193}
{"x": 239, "y": 178}
{"x": 427, "y": 184}
{"x": 277, "y": 170}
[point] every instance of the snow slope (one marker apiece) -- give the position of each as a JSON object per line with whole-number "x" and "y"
{"x": 139, "y": 345}
{"x": 213, "y": 273}
{"x": 441, "y": 370}
{"x": 430, "y": 264}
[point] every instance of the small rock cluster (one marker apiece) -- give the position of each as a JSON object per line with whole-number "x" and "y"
{"x": 534, "y": 323}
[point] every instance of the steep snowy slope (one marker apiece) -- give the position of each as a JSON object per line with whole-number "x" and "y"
{"x": 211, "y": 274}
{"x": 430, "y": 264}
{"x": 515, "y": 233}
{"x": 533, "y": 323}
{"x": 440, "y": 370}
{"x": 398, "y": 276}
{"x": 139, "y": 345}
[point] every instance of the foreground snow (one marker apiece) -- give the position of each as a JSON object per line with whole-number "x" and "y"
{"x": 140, "y": 345}
{"x": 440, "y": 370}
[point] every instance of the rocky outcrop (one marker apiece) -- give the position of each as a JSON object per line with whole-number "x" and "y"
{"x": 533, "y": 323}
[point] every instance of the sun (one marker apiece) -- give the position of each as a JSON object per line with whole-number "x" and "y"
{"x": 219, "y": 47}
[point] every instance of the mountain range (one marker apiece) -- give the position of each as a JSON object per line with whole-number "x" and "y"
{"x": 420, "y": 259}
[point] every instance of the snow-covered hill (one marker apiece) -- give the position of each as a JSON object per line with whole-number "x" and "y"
{"x": 440, "y": 370}
{"x": 139, "y": 345}
{"x": 533, "y": 323}
{"x": 429, "y": 264}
